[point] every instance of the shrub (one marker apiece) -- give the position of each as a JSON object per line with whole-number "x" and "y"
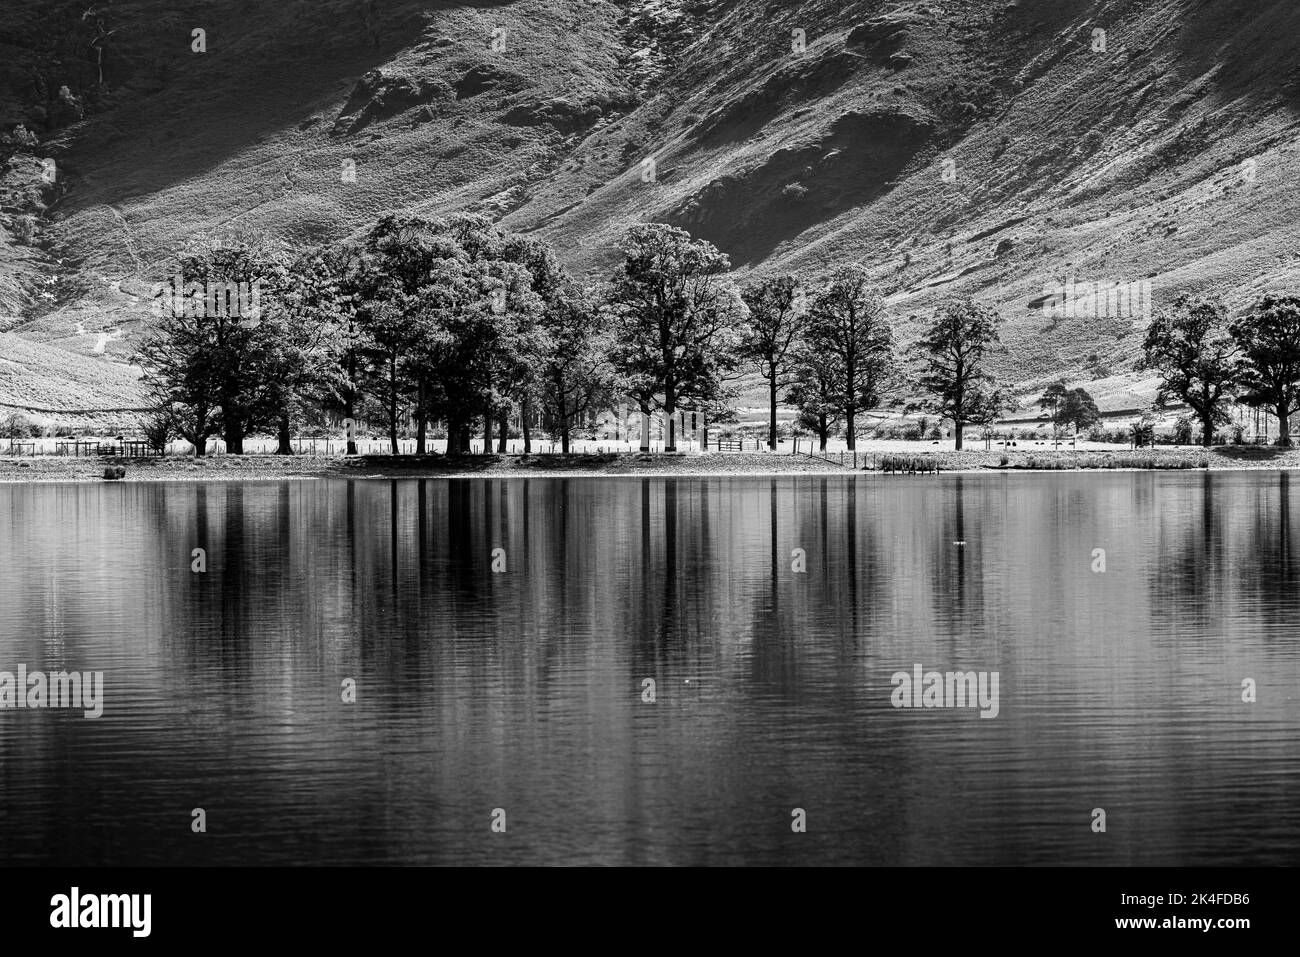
{"x": 20, "y": 139}
{"x": 23, "y": 229}
{"x": 894, "y": 431}
{"x": 908, "y": 463}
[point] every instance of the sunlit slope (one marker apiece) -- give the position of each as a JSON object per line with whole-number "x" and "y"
{"x": 989, "y": 149}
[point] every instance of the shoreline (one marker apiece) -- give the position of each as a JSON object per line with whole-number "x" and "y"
{"x": 254, "y": 468}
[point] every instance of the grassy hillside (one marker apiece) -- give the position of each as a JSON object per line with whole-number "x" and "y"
{"x": 953, "y": 146}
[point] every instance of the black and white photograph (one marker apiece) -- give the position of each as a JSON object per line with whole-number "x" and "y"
{"x": 642, "y": 434}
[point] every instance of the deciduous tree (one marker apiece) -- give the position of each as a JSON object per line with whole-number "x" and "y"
{"x": 1268, "y": 337}
{"x": 1192, "y": 349}
{"x": 953, "y": 352}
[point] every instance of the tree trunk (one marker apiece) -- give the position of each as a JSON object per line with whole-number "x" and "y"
{"x": 957, "y": 428}
{"x": 487, "y": 432}
{"x": 526, "y": 413}
{"x": 503, "y": 428}
{"x": 670, "y": 411}
{"x": 850, "y": 432}
{"x": 823, "y": 431}
{"x": 645, "y": 427}
{"x": 349, "y": 403}
{"x": 392, "y": 404}
{"x": 1207, "y": 430}
{"x": 421, "y": 429}
{"x": 234, "y": 435}
{"x": 285, "y": 448}
{"x": 771, "y": 421}
{"x": 1283, "y": 426}
{"x": 200, "y": 443}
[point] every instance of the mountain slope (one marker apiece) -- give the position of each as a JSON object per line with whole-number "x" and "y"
{"x": 952, "y": 146}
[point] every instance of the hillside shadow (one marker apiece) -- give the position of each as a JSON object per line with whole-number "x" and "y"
{"x": 266, "y": 71}
{"x": 748, "y": 214}
{"x": 1251, "y": 45}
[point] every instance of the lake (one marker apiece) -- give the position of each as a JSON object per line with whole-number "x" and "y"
{"x": 495, "y": 638}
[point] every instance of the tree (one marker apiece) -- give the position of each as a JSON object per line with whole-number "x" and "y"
{"x": 1078, "y": 410}
{"x": 445, "y": 317}
{"x": 1051, "y": 402}
{"x": 243, "y": 347}
{"x": 15, "y": 425}
{"x": 961, "y": 336}
{"x": 679, "y": 314}
{"x": 389, "y": 349}
{"x": 1192, "y": 349}
{"x": 210, "y": 358}
{"x": 307, "y": 328}
{"x": 336, "y": 268}
{"x": 576, "y": 373}
{"x": 776, "y": 322}
{"x": 388, "y": 283}
{"x": 550, "y": 283}
{"x": 1268, "y": 337}
{"x": 510, "y": 340}
{"x": 179, "y": 375}
{"x": 847, "y": 325}
{"x": 815, "y": 393}
{"x": 635, "y": 373}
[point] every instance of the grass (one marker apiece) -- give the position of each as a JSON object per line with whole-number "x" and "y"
{"x": 1174, "y": 460}
{"x": 949, "y": 460}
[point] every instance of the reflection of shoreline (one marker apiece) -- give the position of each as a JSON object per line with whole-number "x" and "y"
{"x": 473, "y": 683}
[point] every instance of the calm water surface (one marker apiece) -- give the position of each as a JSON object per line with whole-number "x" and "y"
{"x": 522, "y": 689}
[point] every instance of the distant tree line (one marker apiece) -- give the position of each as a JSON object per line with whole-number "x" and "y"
{"x": 458, "y": 322}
